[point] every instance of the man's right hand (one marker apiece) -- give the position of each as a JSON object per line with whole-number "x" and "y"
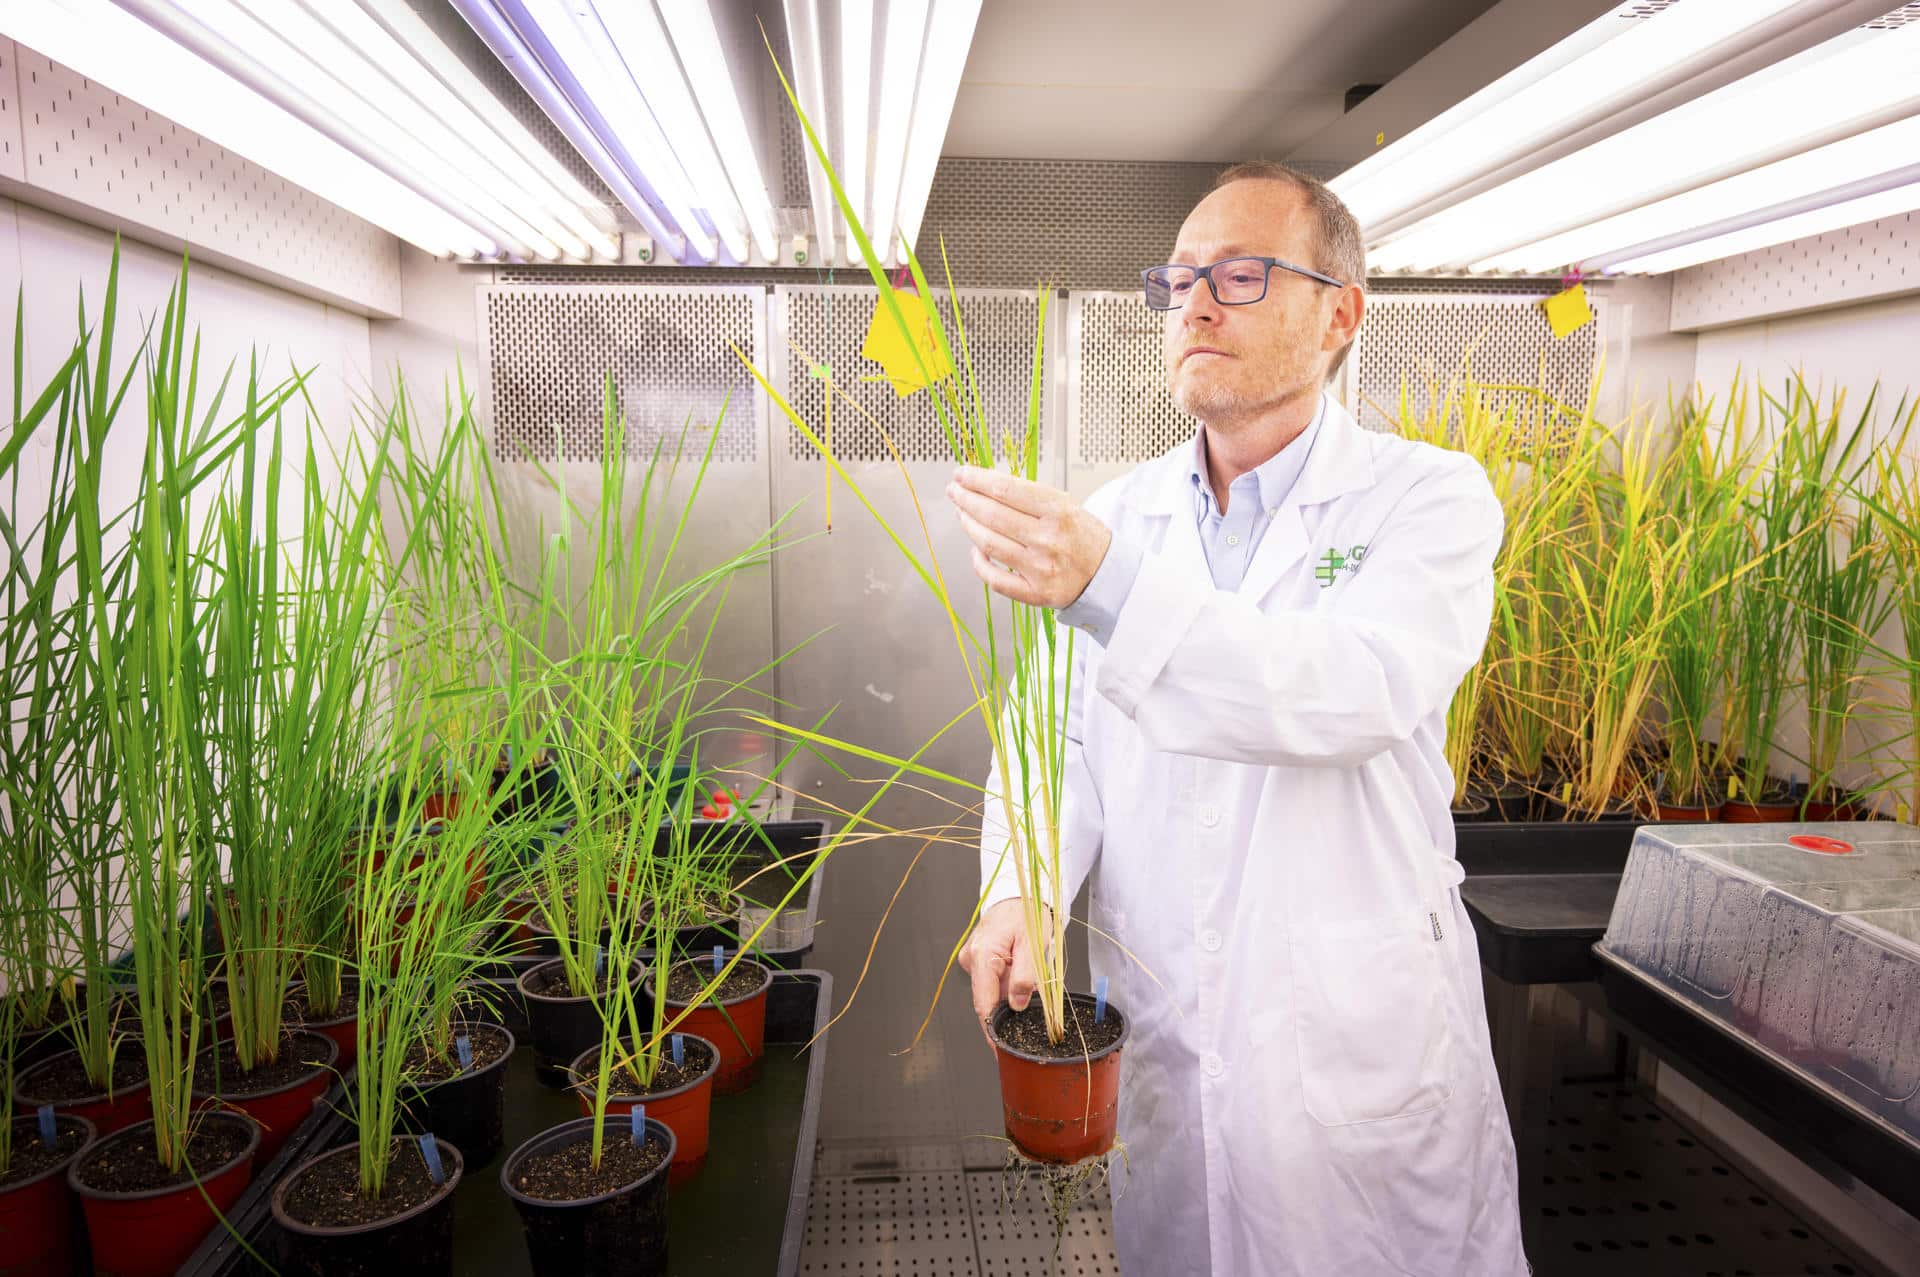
{"x": 996, "y": 955}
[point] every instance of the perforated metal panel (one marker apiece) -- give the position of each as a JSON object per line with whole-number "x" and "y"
{"x": 1895, "y": 18}
{"x": 949, "y": 1224}
{"x": 671, "y": 351}
{"x": 1870, "y": 262}
{"x": 1117, "y": 385}
{"x": 12, "y": 163}
{"x": 1418, "y": 341}
{"x": 829, "y": 326}
{"x": 85, "y": 143}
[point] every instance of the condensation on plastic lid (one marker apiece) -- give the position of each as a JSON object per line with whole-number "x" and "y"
{"x": 1824, "y": 845}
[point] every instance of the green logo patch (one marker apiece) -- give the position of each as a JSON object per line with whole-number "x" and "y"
{"x": 1328, "y": 567}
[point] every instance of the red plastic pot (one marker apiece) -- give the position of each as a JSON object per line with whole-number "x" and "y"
{"x": 150, "y": 1233}
{"x": 686, "y": 1110}
{"x": 737, "y": 1028}
{"x": 1060, "y": 1110}
{"x": 1683, "y": 813}
{"x": 444, "y": 805}
{"x": 279, "y": 1112}
{"x": 37, "y": 1216}
{"x": 1738, "y": 811}
{"x": 343, "y": 1031}
{"x": 108, "y": 1113}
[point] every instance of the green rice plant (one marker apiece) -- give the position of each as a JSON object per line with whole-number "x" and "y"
{"x": 157, "y": 691}
{"x": 1894, "y": 501}
{"x": 1837, "y": 571}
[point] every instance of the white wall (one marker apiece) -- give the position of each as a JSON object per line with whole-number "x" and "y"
{"x": 50, "y": 261}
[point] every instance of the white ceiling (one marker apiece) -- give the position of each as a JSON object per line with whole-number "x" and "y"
{"x": 1173, "y": 80}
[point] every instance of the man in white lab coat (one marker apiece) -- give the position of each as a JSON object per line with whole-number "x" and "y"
{"x": 1270, "y": 621}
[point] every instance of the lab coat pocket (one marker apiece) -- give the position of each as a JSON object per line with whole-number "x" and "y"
{"x": 1370, "y": 1021}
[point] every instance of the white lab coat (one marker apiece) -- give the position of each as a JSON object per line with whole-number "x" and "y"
{"x": 1261, "y": 798}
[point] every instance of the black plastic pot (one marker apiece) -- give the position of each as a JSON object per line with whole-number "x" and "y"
{"x": 418, "y": 1241}
{"x": 560, "y": 1027}
{"x": 1506, "y": 800}
{"x": 470, "y": 1110}
{"x": 1473, "y": 808}
{"x": 618, "y": 1234}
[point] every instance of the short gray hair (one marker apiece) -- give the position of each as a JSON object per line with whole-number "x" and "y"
{"x": 1338, "y": 249}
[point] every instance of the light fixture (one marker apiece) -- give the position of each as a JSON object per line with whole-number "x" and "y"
{"x": 901, "y": 39}
{"x": 949, "y": 36}
{"x": 1818, "y": 221}
{"x": 1609, "y": 64}
{"x": 1823, "y": 176}
{"x": 1832, "y": 91}
{"x": 117, "y": 50}
{"x": 807, "y": 52}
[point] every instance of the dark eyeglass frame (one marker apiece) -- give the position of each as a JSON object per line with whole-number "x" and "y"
{"x": 1206, "y": 273}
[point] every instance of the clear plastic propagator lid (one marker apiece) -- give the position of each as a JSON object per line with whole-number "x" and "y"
{"x": 1804, "y": 939}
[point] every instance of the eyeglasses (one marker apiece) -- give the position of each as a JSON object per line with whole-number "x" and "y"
{"x": 1237, "y": 281}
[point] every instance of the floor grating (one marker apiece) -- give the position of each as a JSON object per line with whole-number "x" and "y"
{"x": 1610, "y": 1183}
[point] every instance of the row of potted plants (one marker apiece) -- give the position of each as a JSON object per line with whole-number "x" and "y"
{"x": 1706, "y": 616}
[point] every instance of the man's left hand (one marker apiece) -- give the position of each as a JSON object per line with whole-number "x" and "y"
{"x": 1031, "y": 543}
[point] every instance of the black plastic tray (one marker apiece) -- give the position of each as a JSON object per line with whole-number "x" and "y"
{"x": 1539, "y": 928}
{"x": 1520, "y": 847}
{"x": 744, "y": 1214}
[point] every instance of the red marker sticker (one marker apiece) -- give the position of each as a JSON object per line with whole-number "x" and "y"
{"x": 1826, "y": 846}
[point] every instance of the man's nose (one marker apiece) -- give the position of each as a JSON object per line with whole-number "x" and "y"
{"x": 1201, "y": 307}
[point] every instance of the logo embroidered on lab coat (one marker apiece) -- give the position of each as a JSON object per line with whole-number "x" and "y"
{"x": 1328, "y": 567}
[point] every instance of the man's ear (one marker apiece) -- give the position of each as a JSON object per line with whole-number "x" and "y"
{"x": 1348, "y": 309}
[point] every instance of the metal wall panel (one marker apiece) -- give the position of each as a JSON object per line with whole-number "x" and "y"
{"x": 1874, "y": 261}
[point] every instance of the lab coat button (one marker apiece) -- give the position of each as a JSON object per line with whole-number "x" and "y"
{"x": 1209, "y": 815}
{"x": 1210, "y": 940}
{"x": 1212, "y": 1065}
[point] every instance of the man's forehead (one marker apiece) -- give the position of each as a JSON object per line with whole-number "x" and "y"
{"x": 1244, "y": 219}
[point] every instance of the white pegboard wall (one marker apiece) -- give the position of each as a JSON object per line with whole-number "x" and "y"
{"x": 820, "y": 325}
{"x": 1119, "y": 404}
{"x": 1874, "y": 261}
{"x": 547, "y": 351}
{"x": 1417, "y": 342}
{"x": 85, "y": 145}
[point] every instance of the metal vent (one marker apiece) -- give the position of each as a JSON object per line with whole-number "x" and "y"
{"x": 829, "y": 325}
{"x": 1646, "y": 9}
{"x": 1894, "y": 20}
{"x": 1418, "y": 342}
{"x": 1119, "y": 402}
{"x": 670, "y": 350}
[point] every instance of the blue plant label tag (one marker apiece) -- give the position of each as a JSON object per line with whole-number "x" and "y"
{"x": 465, "y": 1050}
{"x": 49, "y": 1133}
{"x": 679, "y": 1051}
{"x": 431, "y": 1151}
{"x": 719, "y": 958}
{"x": 638, "y": 1116}
{"x": 599, "y": 961}
{"x": 1100, "y": 1000}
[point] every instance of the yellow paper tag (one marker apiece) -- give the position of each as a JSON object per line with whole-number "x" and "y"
{"x": 1733, "y": 787}
{"x": 1379, "y": 139}
{"x": 893, "y": 350}
{"x": 1568, "y": 312}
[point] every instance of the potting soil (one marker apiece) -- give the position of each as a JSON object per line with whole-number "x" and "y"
{"x": 299, "y": 1012}
{"x": 567, "y": 1174}
{"x": 299, "y": 1056}
{"x": 687, "y": 979}
{"x": 328, "y": 1194}
{"x": 1026, "y": 1031}
{"x": 129, "y": 1163}
{"x": 31, "y": 1157}
{"x": 668, "y": 1077}
{"x": 553, "y": 984}
{"x": 63, "y": 1079}
{"x": 488, "y": 1043}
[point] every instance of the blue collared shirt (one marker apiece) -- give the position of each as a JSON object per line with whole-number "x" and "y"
{"x": 1228, "y": 538}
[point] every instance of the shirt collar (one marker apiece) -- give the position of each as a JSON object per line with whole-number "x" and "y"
{"x": 1272, "y": 479}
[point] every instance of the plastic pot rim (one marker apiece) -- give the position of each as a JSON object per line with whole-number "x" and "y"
{"x": 766, "y": 982}
{"x": 520, "y": 981}
{"x": 24, "y": 1098}
{"x": 338, "y": 1020}
{"x": 505, "y": 1058}
{"x": 1075, "y": 1062}
{"x": 445, "y": 1190}
{"x": 581, "y": 1083}
{"x": 32, "y": 1129}
{"x": 305, "y": 1031}
{"x": 145, "y": 1194}
{"x": 558, "y": 1135}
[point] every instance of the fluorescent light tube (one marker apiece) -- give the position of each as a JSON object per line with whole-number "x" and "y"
{"x": 1810, "y": 175}
{"x": 119, "y": 51}
{"x": 902, "y": 40}
{"x": 856, "y": 107}
{"x": 949, "y": 36}
{"x": 809, "y": 80}
{"x": 1831, "y": 91}
{"x": 1611, "y": 63}
{"x": 1866, "y": 208}
{"x": 697, "y": 41}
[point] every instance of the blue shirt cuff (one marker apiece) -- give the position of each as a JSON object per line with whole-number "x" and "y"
{"x": 1097, "y": 610}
